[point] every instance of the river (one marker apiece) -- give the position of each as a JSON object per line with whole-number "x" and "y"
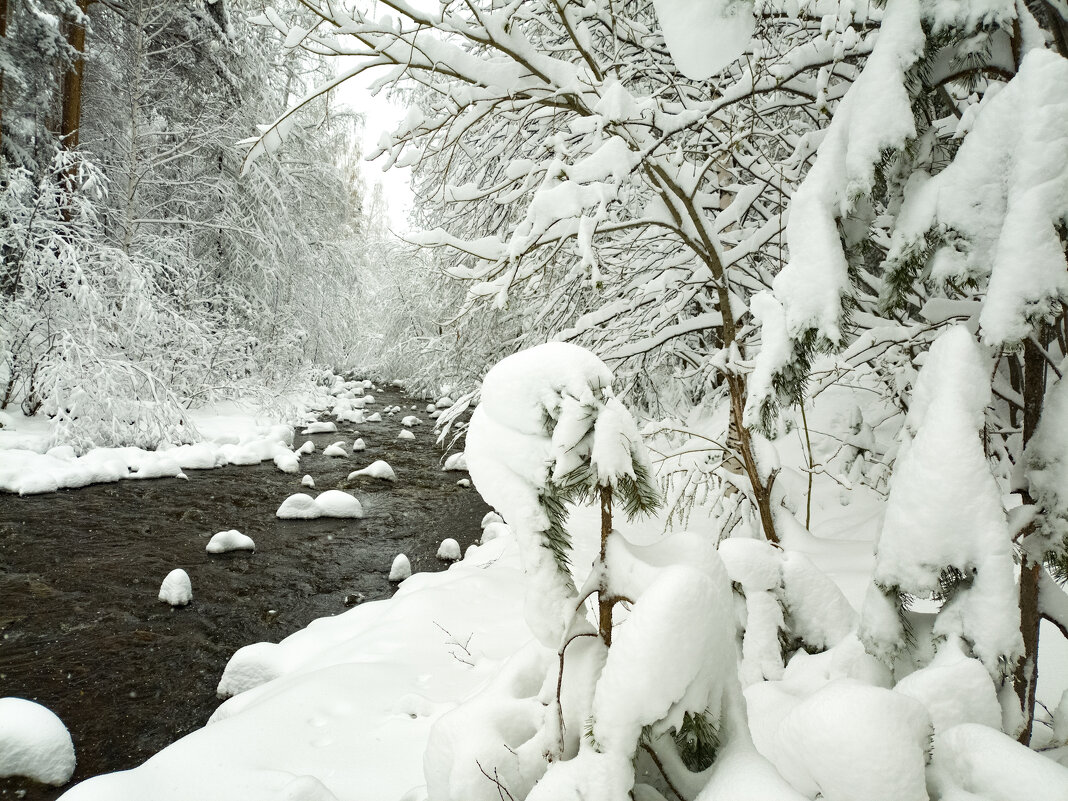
{"x": 82, "y": 631}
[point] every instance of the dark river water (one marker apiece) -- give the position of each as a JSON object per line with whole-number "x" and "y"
{"x": 82, "y": 631}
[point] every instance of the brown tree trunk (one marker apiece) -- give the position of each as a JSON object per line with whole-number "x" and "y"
{"x": 604, "y": 600}
{"x": 71, "y": 99}
{"x": 1025, "y": 677}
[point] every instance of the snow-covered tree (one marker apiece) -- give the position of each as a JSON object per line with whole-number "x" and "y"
{"x": 937, "y": 196}
{"x": 595, "y": 192}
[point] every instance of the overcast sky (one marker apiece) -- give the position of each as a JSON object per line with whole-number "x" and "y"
{"x": 381, "y": 116}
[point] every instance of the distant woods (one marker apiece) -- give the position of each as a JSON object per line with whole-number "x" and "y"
{"x": 140, "y": 273}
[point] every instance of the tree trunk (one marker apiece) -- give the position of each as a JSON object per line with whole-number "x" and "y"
{"x": 3, "y": 35}
{"x": 1025, "y": 677}
{"x": 71, "y": 108}
{"x": 604, "y": 599}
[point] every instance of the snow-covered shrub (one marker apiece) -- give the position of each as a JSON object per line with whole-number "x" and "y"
{"x": 945, "y": 535}
{"x": 549, "y": 432}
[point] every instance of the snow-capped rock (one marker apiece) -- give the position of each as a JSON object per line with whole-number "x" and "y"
{"x": 320, "y": 427}
{"x": 405, "y": 434}
{"x": 444, "y": 402}
{"x": 400, "y": 569}
{"x": 449, "y": 550}
{"x": 332, "y": 503}
{"x": 177, "y": 589}
{"x": 377, "y": 469}
{"x": 359, "y": 445}
{"x": 298, "y": 507}
{"x": 336, "y": 449}
{"x": 307, "y": 481}
{"x": 335, "y": 503}
{"x": 307, "y": 447}
{"x": 34, "y": 743}
{"x": 457, "y": 461}
{"x": 374, "y": 418}
{"x": 232, "y": 540}
{"x": 411, "y": 420}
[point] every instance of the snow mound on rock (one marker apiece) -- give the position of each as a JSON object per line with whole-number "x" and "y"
{"x": 449, "y": 550}
{"x": 400, "y": 569}
{"x": 307, "y": 481}
{"x": 336, "y": 449}
{"x": 457, "y": 461}
{"x": 377, "y": 469}
{"x": 405, "y": 434}
{"x": 320, "y": 427}
{"x": 359, "y": 445}
{"x": 411, "y": 420}
{"x": 332, "y": 503}
{"x": 232, "y": 540}
{"x": 374, "y": 418}
{"x": 34, "y": 743}
{"x": 177, "y": 589}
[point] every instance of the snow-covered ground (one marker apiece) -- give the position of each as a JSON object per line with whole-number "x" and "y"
{"x": 231, "y": 434}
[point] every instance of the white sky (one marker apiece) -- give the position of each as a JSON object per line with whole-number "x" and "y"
{"x": 380, "y": 116}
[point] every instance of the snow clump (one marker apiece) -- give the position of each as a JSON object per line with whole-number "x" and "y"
{"x": 377, "y": 469}
{"x": 332, "y": 503}
{"x": 232, "y": 540}
{"x": 400, "y": 569}
{"x": 336, "y": 449}
{"x": 34, "y": 743}
{"x": 405, "y": 434}
{"x": 458, "y": 461}
{"x": 320, "y": 427}
{"x": 374, "y": 418}
{"x": 449, "y": 550}
{"x": 359, "y": 445}
{"x": 307, "y": 481}
{"x": 176, "y": 589}
{"x": 411, "y": 420}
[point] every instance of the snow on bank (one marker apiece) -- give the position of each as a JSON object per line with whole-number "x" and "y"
{"x": 34, "y": 743}
{"x": 352, "y": 699}
{"x": 28, "y": 466}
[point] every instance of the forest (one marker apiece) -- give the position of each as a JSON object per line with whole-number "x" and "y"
{"x": 748, "y": 320}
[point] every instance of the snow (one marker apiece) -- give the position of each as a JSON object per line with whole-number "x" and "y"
{"x": 444, "y": 402}
{"x": 359, "y": 445}
{"x": 945, "y": 509}
{"x": 374, "y": 418}
{"x": 449, "y": 550}
{"x": 400, "y": 569}
{"x": 320, "y": 427}
{"x": 848, "y": 740}
{"x": 331, "y": 503}
{"x": 176, "y": 589}
{"x": 976, "y": 759}
{"x": 955, "y": 689}
{"x": 308, "y": 481}
{"x": 336, "y": 449}
{"x": 411, "y": 420}
{"x": 307, "y": 447}
{"x": 34, "y": 743}
{"x": 875, "y": 115}
{"x": 1001, "y": 225}
{"x": 232, "y": 540}
{"x": 28, "y": 465}
{"x": 455, "y": 461}
{"x": 406, "y": 434}
{"x": 377, "y": 469}
{"x": 705, "y": 36}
